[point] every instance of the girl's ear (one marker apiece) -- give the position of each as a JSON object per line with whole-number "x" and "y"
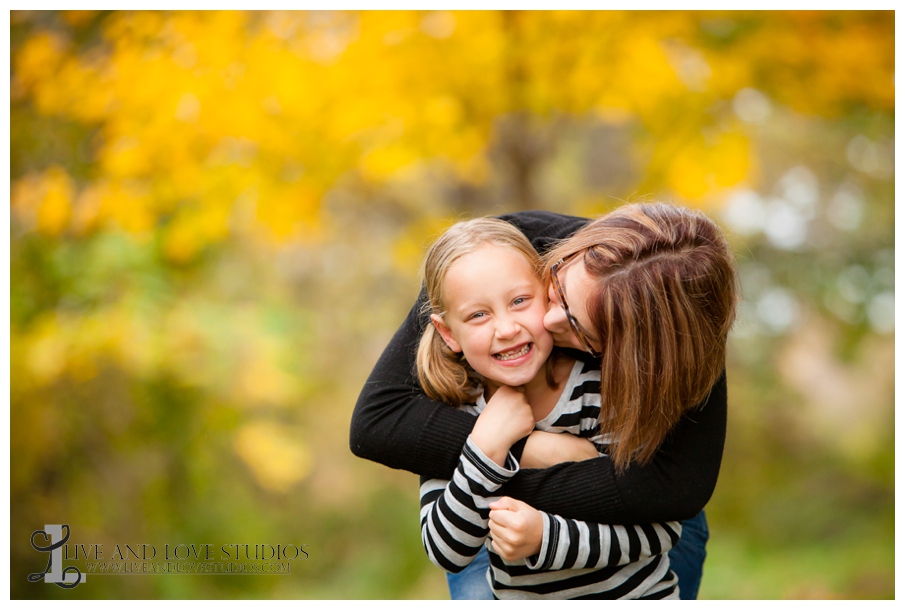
{"x": 445, "y": 332}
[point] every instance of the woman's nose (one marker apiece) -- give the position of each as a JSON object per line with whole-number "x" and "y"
{"x": 555, "y": 319}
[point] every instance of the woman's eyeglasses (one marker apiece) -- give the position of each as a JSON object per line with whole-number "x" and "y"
{"x": 576, "y": 327}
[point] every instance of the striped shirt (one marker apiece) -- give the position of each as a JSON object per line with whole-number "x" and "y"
{"x": 577, "y": 559}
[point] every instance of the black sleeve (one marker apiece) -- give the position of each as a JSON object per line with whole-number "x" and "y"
{"x": 674, "y": 485}
{"x": 396, "y": 424}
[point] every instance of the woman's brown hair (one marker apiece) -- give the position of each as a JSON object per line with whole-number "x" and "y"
{"x": 665, "y": 299}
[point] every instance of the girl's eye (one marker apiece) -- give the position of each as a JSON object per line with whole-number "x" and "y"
{"x": 477, "y": 315}
{"x": 519, "y": 300}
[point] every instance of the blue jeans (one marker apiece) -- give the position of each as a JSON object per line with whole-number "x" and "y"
{"x": 471, "y": 583}
{"x": 686, "y": 559}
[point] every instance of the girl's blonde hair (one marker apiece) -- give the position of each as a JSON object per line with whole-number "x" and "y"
{"x": 444, "y": 374}
{"x": 665, "y": 299}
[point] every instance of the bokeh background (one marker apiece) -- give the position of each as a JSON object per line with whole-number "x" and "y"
{"x": 217, "y": 220}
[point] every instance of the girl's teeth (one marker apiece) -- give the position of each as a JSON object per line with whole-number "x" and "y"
{"x": 515, "y": 354}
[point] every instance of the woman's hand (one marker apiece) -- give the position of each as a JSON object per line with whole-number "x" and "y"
{"x": 544, "y": 449}
{"x": 506, "y": 419}
{"x": 516, "y": 529}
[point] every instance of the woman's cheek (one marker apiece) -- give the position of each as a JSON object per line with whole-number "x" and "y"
{"x": 554, "y": 319}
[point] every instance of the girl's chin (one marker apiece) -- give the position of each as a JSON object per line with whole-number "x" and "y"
{"x": 516, "y": 378}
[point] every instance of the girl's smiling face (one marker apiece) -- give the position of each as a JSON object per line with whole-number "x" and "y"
{"x": 495, "y": 306}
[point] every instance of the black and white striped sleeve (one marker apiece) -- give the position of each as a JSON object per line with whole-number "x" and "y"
{"x": 454, "y": 514}
{"x": 569, "y": 543}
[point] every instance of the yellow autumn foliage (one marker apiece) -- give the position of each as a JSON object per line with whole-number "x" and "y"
{"x": 273, "y": 454}
{"x": 198, "y": 107}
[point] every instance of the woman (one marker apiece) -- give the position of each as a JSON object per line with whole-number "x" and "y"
{"x": 396, "y": 424}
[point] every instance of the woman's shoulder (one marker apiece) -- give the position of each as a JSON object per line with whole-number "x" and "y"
{"x": 544, "y": 228}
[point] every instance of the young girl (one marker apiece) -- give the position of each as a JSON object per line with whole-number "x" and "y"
{"x": 488, "y": 353}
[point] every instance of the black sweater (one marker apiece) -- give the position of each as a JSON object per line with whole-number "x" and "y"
{"x": 396, "y": 424}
